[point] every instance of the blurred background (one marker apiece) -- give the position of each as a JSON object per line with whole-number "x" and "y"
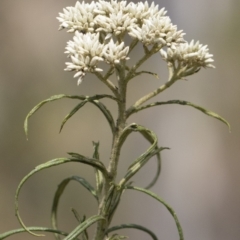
{"x": 200, "y": 174}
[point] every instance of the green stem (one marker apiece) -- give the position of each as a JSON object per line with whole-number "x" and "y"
{"x": 114, "y": 157}
{"x": 148, "y": 54}
{"x": 151, "y": 95}
{"x": 107, "y": 82}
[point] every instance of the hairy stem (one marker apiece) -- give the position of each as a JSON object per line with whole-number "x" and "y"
{"x": 114, "y": 158}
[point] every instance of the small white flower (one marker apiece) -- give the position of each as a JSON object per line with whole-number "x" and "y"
{"x": 114, "y": 53}
{"x": 192, "y": 56}
{"x": 85, "y": 52}
{"x": 116, "y": 23}
{"x": 78, "y": 18}
{"x": 141, "y": 11}
{"x": 157, "y": 30}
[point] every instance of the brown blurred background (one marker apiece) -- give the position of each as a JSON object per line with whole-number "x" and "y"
{"x": 200, "y": 176}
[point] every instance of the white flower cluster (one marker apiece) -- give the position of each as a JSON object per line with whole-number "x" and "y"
{"x": 140, "y": 21}
{"x": 190, "y": 56}
{"x": 86, "y": 52}
{"x": 100, "y": 28}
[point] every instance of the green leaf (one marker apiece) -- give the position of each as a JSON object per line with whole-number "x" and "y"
{"x": 98, "y": 104}
{"x": 90, "y": 161}
{"x": 136, "y": 226}
{"x": 157, "y": 175}
{"x": 72, "y": 113}
{"x": 76, "y": 215}
{"x": 143, "y": 159}
{"x": 116, "y": 237}
{"x": 80, "y": 228}
{"x": 169, "y": 208}
{"x": 151, "y": 140}
{"x": 106, "y": 113}
{"x": 39, "y": 105}
{"x": 84, "y": 233}
{"x": 98, "y": 174}
{"x": 52, "y": 163}
{"x": 186, "y": 103}
{"x": 59, "y": 192}
{"x": 60, "y": 96}
{"x": 40, "y": 229}
{"x": 112, "y": 200}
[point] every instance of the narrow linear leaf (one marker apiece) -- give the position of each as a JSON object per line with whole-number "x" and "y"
{"x": 106, "y": 113}
{"x": 90, "y": 161}
{"x": 101, "y": 106}
{"x": 138, "y": 164}
{"x": 79, "y": 229}
{"x": 80, "y": 105}
{"x": 159, "y": 162}
{"x": 116, "y": 237}
{"x": 147, "y": 72}
{"x": 186, "y": 103}
{"x": 135, "y": 226}
{"x": 169, "y": 208}
{"x": 112, "y": 200}
{"x": 84, "y": 233}
{"x": 143, "y": 158}
{"x": 40, "y": 229}
{"x": 39, "y": 105}
{"x": 59, "y": 192}
{"x": 60, "y": 96}
{"x": 52, "y": 163}
{"x": 76, "y": 215}
{"x": 157, "y": 175}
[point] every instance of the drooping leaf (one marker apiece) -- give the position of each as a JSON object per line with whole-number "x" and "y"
{"x": 98, "y": 104}
{"x": 39, "y": 105}
{"x": 80, "y": 159}
{"x": 157, "y": 175}
{"x": 80, "y": 228}
{"x": 151, "y": 139}
{"x": 90, "y": 161}
{"x": 169, "y": 208}
{"x": 106, "y": 113}
{"x": 59, "y": 192}
{"x": 186, "y": 103}
{"x": 80, "y": 105}
{"x": 22, "y": 230}
{"x": 116, "y": 237}
{"x": 60, "y": 96}
{"x": 141, "y": 160}
{"x": 136, "y": 226}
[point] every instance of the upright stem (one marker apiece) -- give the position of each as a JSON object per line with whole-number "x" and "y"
{"x": 115, "y": 152}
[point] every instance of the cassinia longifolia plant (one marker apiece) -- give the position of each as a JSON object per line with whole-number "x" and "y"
{"x": 99, "y": 33}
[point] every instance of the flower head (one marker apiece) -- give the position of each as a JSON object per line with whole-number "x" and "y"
{"x": 157, "y": 30}
{"x": 85, "y": 52}
{"x": 78, "y": 18}
{"x": 113, "y": 53}
{"x": 190, "y": 56}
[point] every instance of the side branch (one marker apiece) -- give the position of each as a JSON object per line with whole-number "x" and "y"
{"x": 107, "y": 82}
{"x": 150, "y": 95}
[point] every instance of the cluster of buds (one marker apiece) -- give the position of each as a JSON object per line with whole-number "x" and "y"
{"x": 100, "y": 29}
